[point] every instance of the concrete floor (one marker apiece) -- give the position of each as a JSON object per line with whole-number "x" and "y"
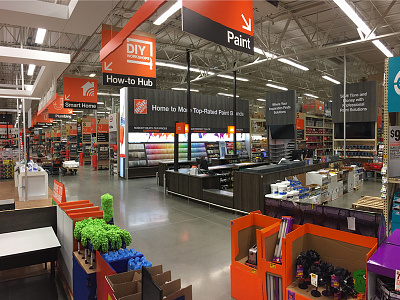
{"x": 190, "y": 239}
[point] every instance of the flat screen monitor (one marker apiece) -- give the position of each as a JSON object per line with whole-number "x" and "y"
{"x": 355, "y": 130}
{"x": 282, "y": 131}
{"x": 150, "y": 290}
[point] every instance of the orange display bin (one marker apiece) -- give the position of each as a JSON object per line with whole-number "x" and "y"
{"x": 246, "y": 282}
{"x": 342, "y": 249}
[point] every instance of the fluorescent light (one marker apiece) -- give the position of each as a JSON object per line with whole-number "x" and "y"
{"x": 311, "y": 95}
{"x": 227, "y": 95}
{"x": 31, "y": 69}
{"x": 331, "y": 79}
{"x": 74, "y": 114}
{"x": 28, "y": 87}
{"x": 292, "y": 63}
{"x": 16, "y": 97}
{"x": 92, "y": 75}
{"x": 382, "y": 47}
{"x": 180, "y": 67}
{"x": 259, "y": 99}
{"x": 353, "y": 16}
{"x": 261, "y": 107}
{"x": 265, "y": 53}
{"x": 277, "y": 87}
{"x": 41, "y": 32}
{"x": 100, "y": 102}
{"x": 20, "y": 106}
{"x": 231, "y": 77}
{"x": 183, "y": 89}
{"x": 101, "y": 112}
{"x": 173, "y": 9}
{"x": 107, "y": 94}
{"x": 79, "y": 111}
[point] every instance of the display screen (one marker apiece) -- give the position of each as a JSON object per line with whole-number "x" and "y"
{"x": 282, "y": 131}
{"x": 355, "y": 130}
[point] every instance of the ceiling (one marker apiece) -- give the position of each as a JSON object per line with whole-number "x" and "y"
{"x": 314, "y": 33}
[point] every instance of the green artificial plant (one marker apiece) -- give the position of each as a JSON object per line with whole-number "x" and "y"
{"x": 107, "y": 205}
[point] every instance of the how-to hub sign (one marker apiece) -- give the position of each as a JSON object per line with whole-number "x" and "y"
{"x": 133, "y": 63}
{"x": 228, "y": 23}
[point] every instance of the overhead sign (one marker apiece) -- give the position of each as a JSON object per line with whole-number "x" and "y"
{"x": 228, "y": 23}
{"x": 281, "y": 108}
{"x": 361, "y": 102}
{"x": 56, "y": 109}
{"x": 6, "y": 119}
{"x": 133, "y": 63}
{"x": 42, "y": 119}
{"x": 157, "y": 111}
{"x": 80, "y": 92}
{"x": 394, "y": 85}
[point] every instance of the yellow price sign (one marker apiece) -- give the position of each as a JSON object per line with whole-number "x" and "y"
{"x": 272, "y": 266}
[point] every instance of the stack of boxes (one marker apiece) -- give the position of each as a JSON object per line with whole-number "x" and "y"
{"x": 322, "y": 179}
{"x": 314, "y": 107}
{"x": 6, "y": 169}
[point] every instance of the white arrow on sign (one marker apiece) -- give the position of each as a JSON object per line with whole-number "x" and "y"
{"x": 248, "y": 25}
{"x": 66, "y": 97}
{"x": 150, "y": 63}
{"x": 107, "y": 67}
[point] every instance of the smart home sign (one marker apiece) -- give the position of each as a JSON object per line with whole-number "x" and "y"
{"x": 80, "y": 92}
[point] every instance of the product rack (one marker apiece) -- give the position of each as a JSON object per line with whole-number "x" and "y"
{"x": 212, "y": 150}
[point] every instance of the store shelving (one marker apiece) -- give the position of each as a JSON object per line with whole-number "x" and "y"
{"x": 240, "y": 148}
{"x": 212, "y": 150}
{"x": 258, "y": 145}
{"x": 319, "y": 134}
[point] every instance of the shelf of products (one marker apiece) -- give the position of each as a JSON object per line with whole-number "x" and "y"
{"x": 240, "y": 148}
{"x": 258, "y": 145}
{"x": 212, "y": 150}
{"x": 319, "y": 134}
{"x": 277, "y": 152}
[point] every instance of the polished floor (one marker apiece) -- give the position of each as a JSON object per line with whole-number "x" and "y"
{"x": 190, "y": 239}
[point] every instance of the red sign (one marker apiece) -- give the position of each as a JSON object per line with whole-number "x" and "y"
{"x": 80, "y": 92}
{"x": 42, "y": 118}
{"x": 102, "y": 128}
{"x": 140, "y": 107}
{"x": 133, "y": 63}
{"x": 228, "y": 23}
{"x": 57, "y": 107}
{"x": 300, "y": 124}
{"x": 180, "y": 128}
{"x": 58, "y": 192}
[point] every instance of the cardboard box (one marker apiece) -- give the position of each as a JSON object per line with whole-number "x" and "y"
{"x": 314, "y": 107}
{"x": 128, "y": 291}
{"x": 317, "y": 177}
{"x": 130, "y": 275}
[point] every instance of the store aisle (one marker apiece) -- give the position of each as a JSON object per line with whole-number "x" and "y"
{"x": 191, "y": 240}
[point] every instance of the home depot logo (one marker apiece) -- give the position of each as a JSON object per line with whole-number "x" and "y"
{"x": 141, "y": 106}
{"x": 139, "y": 52}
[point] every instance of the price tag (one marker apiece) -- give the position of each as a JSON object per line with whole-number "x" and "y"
{"x": 314, "y": 279}
{"x": 351, "y": 223}
{"x": 272, "y": 266}
{"x": 254, "y": 271}
{"x": 397, "y": 282}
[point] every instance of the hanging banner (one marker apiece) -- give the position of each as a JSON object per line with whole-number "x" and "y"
{"x": 157, "y": 111}
{"x": 6, "y": 119}
{"x": 133, "y": 64}
{"x": 80, "y": 92}
{"x": 56, "y": 109}
{"x": 394, "y": 85}
{"x": 228, "y": 23}
{"x": 281, "y": 108}
{"x": 42, "y": 119}
{"x": 361, "y": 102}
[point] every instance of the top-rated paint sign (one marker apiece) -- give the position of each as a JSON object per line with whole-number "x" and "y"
{"x": 228, "y": 23}
{"x": 133, "y": 64}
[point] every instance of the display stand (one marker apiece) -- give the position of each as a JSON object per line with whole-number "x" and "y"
{"x": 37, "y": 185}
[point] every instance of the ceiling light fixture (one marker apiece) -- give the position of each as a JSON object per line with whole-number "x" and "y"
{"x": 40, "y": 34}
{"x": 231, "y": 77}
{"x": 31, "y": 70}
{"x": 16, "y": 97}
{"x": 227, "y": 95}
{"x": 180, "y": 67}
{"x": 173, "y": 9}
{"x": 100, "y": 102}
{"x": 79, "y": 111}
{"x": 355, "y": 18}
{"x": 259, "y": 99}
{"x": 107, "y": 94}
{"x": 92, "y": 75}
{"x": 265, "y": 53}
{"x": 330, "y": 79}
{"x": 277, "y": 87}
{"x": 183, "y": 89}
{"x": 311, "y": 95}
{"x": 292, "y": 63}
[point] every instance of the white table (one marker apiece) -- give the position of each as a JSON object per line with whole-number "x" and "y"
{"x": 28, "y": 247}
